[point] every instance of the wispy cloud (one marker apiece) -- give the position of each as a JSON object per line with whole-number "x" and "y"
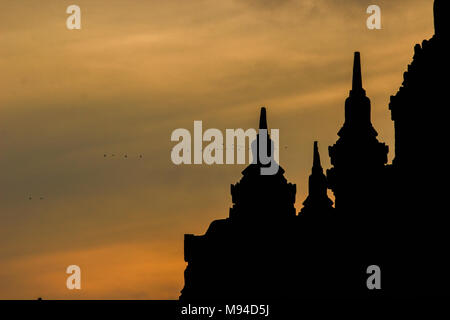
{"x": 135, "y": 72}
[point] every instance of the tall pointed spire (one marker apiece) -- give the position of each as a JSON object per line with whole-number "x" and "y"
{"x": 357, "y": 105}
{"x": 267, "y": 150}
{"x": 262, "y": 126}
{"x": 357, "y": 77}
{"x": 357, "y": 148}
{"x": 317, "y": 201}
{"x": 263, "y": 119}
{"x": 316, "y": 158}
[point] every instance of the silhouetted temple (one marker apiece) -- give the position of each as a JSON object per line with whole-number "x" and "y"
{"x": 388, "y": 215}
{"x": 232, "y": 251}
{"x": 317, "y": 203}
{"x": 357, "y": 157}
{"x": 259, "y": 197}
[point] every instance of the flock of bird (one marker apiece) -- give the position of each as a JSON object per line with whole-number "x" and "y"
{"x": 105, "y": 155}
{"x": 31, "y": 198}
{"x": 125, "y": 155}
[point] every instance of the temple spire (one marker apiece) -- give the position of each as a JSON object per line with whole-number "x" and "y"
{"x": 263, "y": 119}
{"x": 316, "y": 158}
{"x": 357, "y": 105}
{"x": 317, "y": 201}
{"x": 357, "y": 77}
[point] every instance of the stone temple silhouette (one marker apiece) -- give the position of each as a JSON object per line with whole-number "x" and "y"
{"x": 388, "y": 215}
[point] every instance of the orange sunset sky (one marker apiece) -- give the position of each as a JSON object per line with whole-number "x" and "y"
{"x": 136, "y": 71}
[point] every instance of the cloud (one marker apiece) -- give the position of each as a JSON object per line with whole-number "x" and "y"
{"x": 137, "y": 71}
